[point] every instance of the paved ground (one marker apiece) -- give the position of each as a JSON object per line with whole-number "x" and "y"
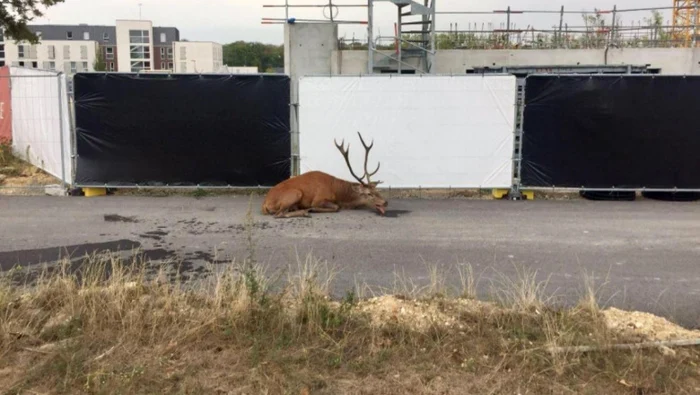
{"x": 649, "y": 251}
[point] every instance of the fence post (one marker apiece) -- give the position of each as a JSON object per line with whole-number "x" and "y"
{"x": 695, "y": 25}
{"x": 61, "y": 132}
{"x": 561, "y": 25}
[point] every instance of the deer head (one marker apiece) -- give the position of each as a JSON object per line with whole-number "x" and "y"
{"x": 367, "y": 189}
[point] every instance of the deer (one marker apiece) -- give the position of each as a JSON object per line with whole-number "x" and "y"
{"x": 319, "y": 192}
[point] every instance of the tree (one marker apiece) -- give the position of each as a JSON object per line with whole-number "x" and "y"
{"x": 99, "y": 64}
{"x": 262, "y": 56}
{"x": 15, "y": 16}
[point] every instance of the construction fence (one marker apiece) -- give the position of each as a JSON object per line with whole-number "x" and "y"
{"x": 617, "y": 132}
{"x": 35, "y": 130}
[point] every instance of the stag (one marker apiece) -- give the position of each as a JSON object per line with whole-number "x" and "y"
{"x": 318, "y": 192}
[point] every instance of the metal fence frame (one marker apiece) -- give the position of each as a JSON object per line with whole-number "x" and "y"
{"x": 74, "y": 184}
{"x": 64, "y": 180}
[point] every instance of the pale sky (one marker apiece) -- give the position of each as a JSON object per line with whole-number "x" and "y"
{"x": 225, "y": 21}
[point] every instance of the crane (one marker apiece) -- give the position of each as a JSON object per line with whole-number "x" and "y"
{"x": 686, "y": 16}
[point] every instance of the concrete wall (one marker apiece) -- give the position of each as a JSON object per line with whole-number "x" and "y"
{"x": 670, "y": 60}
{"x": 308, "y": 50}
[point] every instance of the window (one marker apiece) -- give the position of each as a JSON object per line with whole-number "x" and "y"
{"x": 170, "y": 53}
{"x": 140, "y": 52}
{"x": 2, "y": 35}
{"x": 163, "y": 38}
{"x": 139, "y": 66}
{"x": 105, "y": 37}
{"x": 66, "y": 52}
{"x": 2, "y": 51}
{"x": 49, "y": 66}
{"x": 52, "y": 51}
{"x": 69, "y": 35}
{"x": 73, "y": 67}
{"x": 84, "y": 66}
{"x": 139, "y": 37}
{"x": 83, "y": 52}
{"x": 38, "y": 34}
{"x": 2, "y": 63}
{"x": 170, "y": 66}
{"x": 21, "y": 64}
{"x": 35, "y": 65}
{"x": 183, "y": 67}
{"x": 162, "y": 52}
{"x": 109, "y": 52}
{"x": 162, "y": 66}
{"x": 21, "y": 51}
{"x": 183, "y": 53}
{"x": 86, "y": 35}
{"x": 110, "y": 67}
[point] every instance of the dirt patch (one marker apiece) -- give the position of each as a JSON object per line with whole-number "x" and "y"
{"x": 119, "y": 218}
{"x": 645, "y": 326}
{"x": 420, "y": 315}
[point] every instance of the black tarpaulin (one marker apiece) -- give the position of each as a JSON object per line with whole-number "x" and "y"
{"x": 611, "y": 131}
{"x": 182, "y": 129}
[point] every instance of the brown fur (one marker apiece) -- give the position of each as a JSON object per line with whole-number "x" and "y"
{"x": 319, "y": 192}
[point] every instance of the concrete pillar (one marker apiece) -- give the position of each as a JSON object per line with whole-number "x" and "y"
{"x": 308, "y": 50}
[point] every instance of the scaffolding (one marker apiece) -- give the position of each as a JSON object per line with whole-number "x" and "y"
{"x": 685, "y": 22}
{"x": 417, "y": 38}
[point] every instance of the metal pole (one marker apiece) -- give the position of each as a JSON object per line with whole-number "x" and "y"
{"x": 614, "y": 24}
{"x": 61, "y": 132}
{"x": 508, "y": 28}
{"x": 370, "y": 35}
{"x": 561, "y": 24}
{"x": 286, "y": 10}
{"x": 695, "y": 24}
{"x": 398, "y": 36}
{"x": 330, "y": 9}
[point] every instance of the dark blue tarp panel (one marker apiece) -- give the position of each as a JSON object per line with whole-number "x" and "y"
{"x": 611, "y": 131}
{"x": 213, "y": 130}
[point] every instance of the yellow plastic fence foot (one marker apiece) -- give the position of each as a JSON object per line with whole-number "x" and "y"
{"x": 529, "y": 195}
{"x": 499, "y": 193}
{"x": 92, "y": 192}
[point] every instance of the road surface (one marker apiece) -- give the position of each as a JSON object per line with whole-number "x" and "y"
{"x": 645, "y": 254}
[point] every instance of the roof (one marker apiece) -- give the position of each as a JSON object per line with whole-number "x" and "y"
{"x": 105, "y": 35}
{"x": 59, "y": 32}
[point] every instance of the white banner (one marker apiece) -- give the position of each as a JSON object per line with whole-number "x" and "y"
{"x": 37, "y": 118}
{"x": 429, "y": 131}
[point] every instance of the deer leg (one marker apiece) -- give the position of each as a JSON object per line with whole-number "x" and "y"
{"x": 325, "y": 207}
{"x": 293, "y": 214}
{"x": 289, "y": 205}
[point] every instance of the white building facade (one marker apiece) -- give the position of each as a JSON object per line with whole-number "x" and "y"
{"x": 198, "y": 57}
{"x": 129, "y": 46}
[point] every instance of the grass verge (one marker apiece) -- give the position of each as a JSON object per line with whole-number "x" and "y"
{"x": 111, "y": 328}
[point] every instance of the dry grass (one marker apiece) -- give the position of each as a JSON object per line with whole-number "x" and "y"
{"x": 18, "y": 177}
{"x": 111, "y": 328}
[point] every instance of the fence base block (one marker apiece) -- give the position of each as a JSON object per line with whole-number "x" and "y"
{"x": 92, "y": 192}
{"x": 528, "y": 195}
{"x": 500, "y": 193}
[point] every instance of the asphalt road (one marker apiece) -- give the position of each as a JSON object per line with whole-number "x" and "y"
{"x": 645, "y": 255}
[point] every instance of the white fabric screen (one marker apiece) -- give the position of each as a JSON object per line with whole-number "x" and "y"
{"x": 429, "y": 131}
{"x": 36, "y": 120}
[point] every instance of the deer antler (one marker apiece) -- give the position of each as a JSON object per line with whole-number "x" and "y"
{"x": 367, "y": 149}
{"x": 346, "y": 152}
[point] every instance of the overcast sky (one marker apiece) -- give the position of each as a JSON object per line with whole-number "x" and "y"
{"x": 231, "y": 20}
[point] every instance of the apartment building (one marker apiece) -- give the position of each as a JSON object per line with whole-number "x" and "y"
{"x": 198, "y": 57}
{"x": 129, "y": 46}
